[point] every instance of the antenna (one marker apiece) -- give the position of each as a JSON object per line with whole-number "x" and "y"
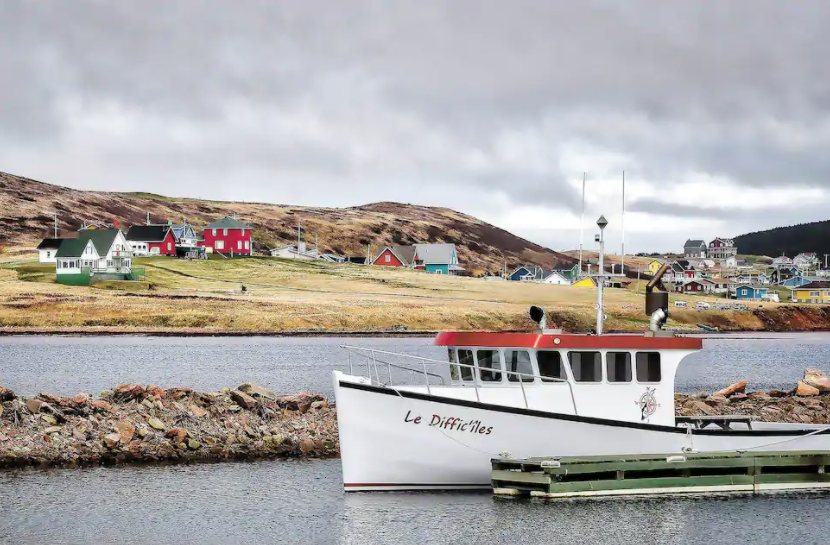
{"x": 622, "y": 257}
{"x": 582, "y": 224}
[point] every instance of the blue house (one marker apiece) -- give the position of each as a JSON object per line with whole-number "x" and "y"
{"x": 527, "y": 273}
{"x": 437, "y": 258}
{"x": 750, "y": 293}
{"x": 798, "y": 281}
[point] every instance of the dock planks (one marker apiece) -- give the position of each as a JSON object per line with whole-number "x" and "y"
{"x": 746, "y": 472}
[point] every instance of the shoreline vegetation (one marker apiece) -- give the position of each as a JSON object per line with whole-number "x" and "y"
{"x": 298, "y": 297}
{"x": 135, "y": 423}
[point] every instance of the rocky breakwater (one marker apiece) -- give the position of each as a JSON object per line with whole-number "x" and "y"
{"x": 807, "y": 402}
{"x": 137, "y": 423}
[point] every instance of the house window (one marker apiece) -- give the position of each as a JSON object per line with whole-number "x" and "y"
{"x": 387, "y": 258}
{"x": 648, "y": 367}
{"x": 550, "y": 365}
{"x": 465, "y": 358}
{"x": 439, "y": 271}
{"x": 220, "y": 244}
{"x": 214, "y": 232}
{"x": 744, "y": 291}
{"x": 224, "y": 232}
{"x": 518, "y": 361}
{"x": 247, "y": 244}
{"x": 815, "y": 294}
{"x": 169, "y": 246}
{"x": 238, "y": 244}
{"x": 48, "y": 255}
{"x": 586, "y": 366}
{"x": 618, "y": 366}
{"x": 489, "y": 365}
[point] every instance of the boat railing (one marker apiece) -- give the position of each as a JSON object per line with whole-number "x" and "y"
{"x": 373, "y": 362}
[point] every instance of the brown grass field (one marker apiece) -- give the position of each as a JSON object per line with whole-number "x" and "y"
{"x": 288, "y": 296}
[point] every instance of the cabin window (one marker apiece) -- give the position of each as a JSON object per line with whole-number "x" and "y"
{"x": 454, "y": 374}
{"x": 220, "y": 244}
{"x": 465, "y": 358}
{"x": 648, "y": 367}
{"x": 224, "y": 232}
{"x": 618, "y": 366}
{"x": 586, "y": 366}
{"x": 247, "y": 244}
{"x": 238, "y": 244}
{"x": 489, "y": 365}
{"x": 387, "y": 258}
{"x": 214, "y": 232}
{"x": 169, "y": 246}
{"x": 518, "y": 361}
{"x": 815, "y": 294}
{"x": 48, "y": 254}
{"x": 550, "y": 365}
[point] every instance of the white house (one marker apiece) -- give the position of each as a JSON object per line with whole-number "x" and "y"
{"x": 806, "y": 260}
{"x": 47, "y": 249}
{"x": 291, "y": 252}
{"x": 556, "y": 277}
{"x": 95, "y": 251}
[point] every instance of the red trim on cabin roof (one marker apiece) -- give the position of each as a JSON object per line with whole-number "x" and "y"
{"x": 567, "y": 340}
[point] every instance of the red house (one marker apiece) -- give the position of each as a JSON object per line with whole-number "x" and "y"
{"x": 228, "y": 236}
{"x": 396, "y": 256}
{"x": 152, "y": 240}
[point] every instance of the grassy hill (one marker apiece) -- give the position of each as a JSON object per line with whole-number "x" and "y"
{"x": 805, "y": 237}
{"x": 28, "y": 207}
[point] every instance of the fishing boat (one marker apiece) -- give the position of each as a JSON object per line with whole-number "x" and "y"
{"x": 436, "y": 424}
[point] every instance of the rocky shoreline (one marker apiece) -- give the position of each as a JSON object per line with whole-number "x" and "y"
{"x": 138, "y": 423}
{"x": 146, "y": 423}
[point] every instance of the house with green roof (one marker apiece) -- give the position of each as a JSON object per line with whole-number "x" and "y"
{"x": 102, "y": 253}
{"x": 228, "y": 236}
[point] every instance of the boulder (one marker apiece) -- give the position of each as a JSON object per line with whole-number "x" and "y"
{"x": 177, "y": 435}
{"x": 197, "y": 411}
{"x": 242, "y": 399}
{"x": 716, "y": 399}
{"x": 49, "y": 419}
{"x": 255, "y": 390}
{"x": 125, "y": 430}
{"x": 52, "y": 429}
{"x": 34, "y": 405}
{"x": 192, "y": 444}
{"x": 817, "y": 379}
{"x": 154, "y": 390}
{"x": 738, "y": 387}
{"x": 77, "y": 401}
{"x": 6, "y": 394}
{"x": 177, "y": 393}
{"x": 112, "y": 440}
{"x": 126, "y": 392}
{"x": 779, "y": 393}
{"x": 306, "y": 446}
{"x": 156, "y": 424}
{"x": 300, "y": 401}
{"x": 50, "y": 398}
{"x": 738, "y": 397}
{"x": 101, "y": 406}
{"x": 805, "y": 389}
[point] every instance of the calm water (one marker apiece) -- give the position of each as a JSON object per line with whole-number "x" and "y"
{"x": 302, "y": 502}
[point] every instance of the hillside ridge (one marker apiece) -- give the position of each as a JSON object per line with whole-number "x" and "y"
{"x": 790, "y": 240}
{"x": 28, "y": 206}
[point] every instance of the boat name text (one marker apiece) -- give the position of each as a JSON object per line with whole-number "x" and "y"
{"x": 451, "y": 423}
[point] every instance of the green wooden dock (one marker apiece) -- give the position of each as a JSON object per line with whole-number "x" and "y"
{"x": 693, "y": 473}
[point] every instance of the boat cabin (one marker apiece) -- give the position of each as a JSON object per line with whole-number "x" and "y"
{"x": 619, "y": 377}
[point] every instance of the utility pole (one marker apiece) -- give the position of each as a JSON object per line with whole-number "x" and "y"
{"x": 582, "y": 226}
{"x": 299, "y": 228}
{"x": 622, "y": 258}
{"x": 148, "y": 218}
{"x": 368, "y": 254}
{"x": 316, "y": 244}
{"x": 825, "y": 261}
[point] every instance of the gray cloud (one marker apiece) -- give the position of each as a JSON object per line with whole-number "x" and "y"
{"x": 461, "y": 104}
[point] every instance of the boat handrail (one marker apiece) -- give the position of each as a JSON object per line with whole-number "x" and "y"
{"x": 423, "y": 361}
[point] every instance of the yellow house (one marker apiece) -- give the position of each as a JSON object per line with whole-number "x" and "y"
{"x": 586, "y": 282}
{"x": 653, "y": 267}
{"x": 814, "y": 292}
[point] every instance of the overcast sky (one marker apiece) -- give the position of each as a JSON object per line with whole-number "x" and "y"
{"x": 718, "y": 112}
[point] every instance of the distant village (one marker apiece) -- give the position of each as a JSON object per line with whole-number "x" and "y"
{"x": 102, "y": 251}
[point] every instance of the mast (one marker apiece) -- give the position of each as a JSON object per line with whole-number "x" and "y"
{"x": 582, "y": 224}
{"x": 601, "y": 222}
{"x": 622, "y": 256}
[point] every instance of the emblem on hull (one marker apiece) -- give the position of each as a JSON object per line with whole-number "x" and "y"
{"x": 648, "y": 404}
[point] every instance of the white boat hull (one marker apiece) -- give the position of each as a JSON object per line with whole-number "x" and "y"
{"x": 398, "y": 440}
